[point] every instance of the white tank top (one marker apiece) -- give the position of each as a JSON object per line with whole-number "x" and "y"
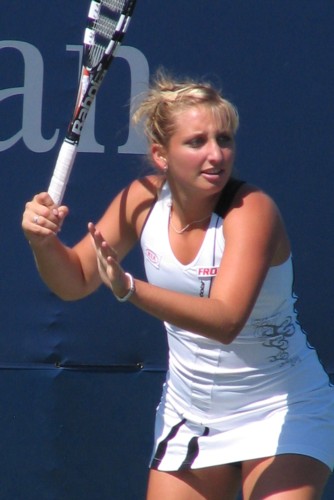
{"x": 205, "y": 374}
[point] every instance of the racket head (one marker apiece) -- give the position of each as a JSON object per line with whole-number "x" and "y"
{"x": 107, "y": 23}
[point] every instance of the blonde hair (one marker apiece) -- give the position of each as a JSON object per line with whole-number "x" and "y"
{"x": 167, "y": 97}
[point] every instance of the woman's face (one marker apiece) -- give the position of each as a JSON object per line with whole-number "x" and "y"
{"x": 201, "y": 152}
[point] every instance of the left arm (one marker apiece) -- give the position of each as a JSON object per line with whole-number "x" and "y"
{"x": 255, "y": 239}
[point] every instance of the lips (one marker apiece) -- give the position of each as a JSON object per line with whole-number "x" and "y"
{"x": 213, "y": 171}
{"x": 213, "y": 175}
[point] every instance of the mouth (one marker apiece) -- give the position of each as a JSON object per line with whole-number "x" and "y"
{"x": 212, "y": 172}
{"x": 214, "y": 175}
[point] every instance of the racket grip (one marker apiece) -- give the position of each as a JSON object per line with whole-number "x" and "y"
{"x": 62, "y": 171}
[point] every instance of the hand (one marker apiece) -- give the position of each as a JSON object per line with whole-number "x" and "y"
{"x": 112, "y": 274}
{"x": 42, "y": 219}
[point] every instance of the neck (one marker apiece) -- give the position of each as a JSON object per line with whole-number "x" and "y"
{"x": 188, "y": 225}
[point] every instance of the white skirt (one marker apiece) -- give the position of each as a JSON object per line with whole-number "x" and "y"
{"x": 305, "y": 427}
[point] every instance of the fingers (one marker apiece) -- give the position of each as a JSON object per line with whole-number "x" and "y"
{"x": 102, "y": 247}
{"x": 42, "y": 218}
{"x": 110, "y": 270}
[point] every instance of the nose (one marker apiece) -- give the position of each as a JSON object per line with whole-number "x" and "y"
{"x": 215, "y": 154}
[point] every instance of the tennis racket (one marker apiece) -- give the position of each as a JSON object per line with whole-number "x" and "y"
{"x": 107, "y": 23}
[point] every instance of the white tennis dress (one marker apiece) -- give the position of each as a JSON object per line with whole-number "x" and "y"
{"x": 264, "y": 394}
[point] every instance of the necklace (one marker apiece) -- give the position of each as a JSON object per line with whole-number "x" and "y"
{"x": 183, "y": 229}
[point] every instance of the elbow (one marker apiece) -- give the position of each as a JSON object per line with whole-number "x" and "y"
{"x": 227, "y": 322}
{"x": 229, "y": 332}
{"x": 68, "y": 295}
{"x": 65, "y": 297}
{"x": 72, "y": 296}
{"x": 227, "y": 337}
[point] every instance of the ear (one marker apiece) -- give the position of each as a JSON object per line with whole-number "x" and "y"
{"x": 158, "y": 154}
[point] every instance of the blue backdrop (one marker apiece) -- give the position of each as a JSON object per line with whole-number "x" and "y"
{"x": 79, "y": 382}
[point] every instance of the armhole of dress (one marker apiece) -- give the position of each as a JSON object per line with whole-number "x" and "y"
{"x": 157, "y": 196}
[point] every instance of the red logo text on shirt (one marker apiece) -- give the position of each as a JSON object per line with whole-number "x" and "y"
{"x": 207, "y": 271}
{"x": 152, "y": 257}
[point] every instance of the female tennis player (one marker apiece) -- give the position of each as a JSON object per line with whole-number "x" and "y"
{"x": 246, "y": 403}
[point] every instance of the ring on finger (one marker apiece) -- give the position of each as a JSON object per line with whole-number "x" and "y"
{"x": 35, "y": 219}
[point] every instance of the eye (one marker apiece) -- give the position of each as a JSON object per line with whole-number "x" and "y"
{"x": 224, "y": 139}
{"x": 196, "y": 142}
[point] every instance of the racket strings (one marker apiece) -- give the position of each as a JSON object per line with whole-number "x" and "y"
{"x": 103, "y": 28}
{"x": 95, "y": 54}
{"x": 114, "y": 5}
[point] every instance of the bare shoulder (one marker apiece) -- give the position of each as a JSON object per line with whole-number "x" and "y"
{"x": 136, "y": 200}
{"x": 124, "y": 218}
{"x": 252, "y": 201}
{"x": 131, "y": 203}
{"x": 145, "y": 188}
{"x": 255, "y": 219}
{"x": 141, "y": 194}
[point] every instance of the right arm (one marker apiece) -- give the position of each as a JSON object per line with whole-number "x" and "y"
{"x": 60, "y": 267}
{"x": 72, "y": 273}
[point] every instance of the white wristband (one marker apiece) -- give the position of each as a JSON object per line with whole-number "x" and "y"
{"x": 131, "y": 291}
